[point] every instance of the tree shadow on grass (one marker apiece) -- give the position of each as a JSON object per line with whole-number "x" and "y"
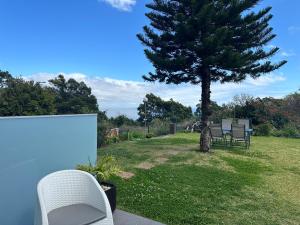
{"x": 167, "y": 141}
{"x": 241, "y": 150}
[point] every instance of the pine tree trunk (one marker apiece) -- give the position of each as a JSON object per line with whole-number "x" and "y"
{"x": 205, "y": 112}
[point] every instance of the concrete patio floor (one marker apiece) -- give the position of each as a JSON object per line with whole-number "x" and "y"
{"x": 125, "y": 218}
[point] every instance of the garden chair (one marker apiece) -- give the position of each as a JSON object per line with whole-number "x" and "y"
{"x": 216, "y": 134}
{"x": 226, "y": 125}
{"x": 238, "y": 134}
{"x": 246, "y": 122}
{"x": 72, "y": 197}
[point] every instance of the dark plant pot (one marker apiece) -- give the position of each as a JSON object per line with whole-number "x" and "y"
{"x": 111, "y": 194}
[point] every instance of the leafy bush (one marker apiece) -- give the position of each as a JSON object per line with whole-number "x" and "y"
{"x": 149, "y": 135}
{"x": 122, "y": 120}
{"x": 124, "y": 135}
{"x": 131, "y": 132}
{"x": 110, "y": 140}
{"x": 159, "y": 127}
{"x": 102, "y": 126}
{"x": 263, "y": 129}
{"x": 136, "y": 134}
{"x": 288, "y": 130}
{"x": 104, "y": 168}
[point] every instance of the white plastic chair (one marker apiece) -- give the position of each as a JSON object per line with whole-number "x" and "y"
{"x": 65, "y": 189}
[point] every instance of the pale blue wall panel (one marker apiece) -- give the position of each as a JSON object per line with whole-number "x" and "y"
{"x": 30, "y": 148}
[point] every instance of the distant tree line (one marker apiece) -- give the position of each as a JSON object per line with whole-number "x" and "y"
{"x": 20, "y": 97}
{"x": 153, "y": 107}
{"x": 268, "y": 113}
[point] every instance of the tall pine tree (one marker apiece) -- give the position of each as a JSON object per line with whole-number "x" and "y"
{"x": 204, "y": 41}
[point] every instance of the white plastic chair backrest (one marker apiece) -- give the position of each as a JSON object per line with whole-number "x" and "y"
{"x": 64, "y": 188}
{"x": 226, "y": 124}
{"x": 245, "y": 122}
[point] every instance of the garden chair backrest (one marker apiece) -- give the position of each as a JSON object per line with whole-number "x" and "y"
{"x": 226, "y": 123}
{"x": 245, "y": 122}
{"x": 238, "y": 131}
{"x": 216, "y": 130}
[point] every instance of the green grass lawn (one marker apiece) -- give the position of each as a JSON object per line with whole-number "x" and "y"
{"x": 228, "y": 186}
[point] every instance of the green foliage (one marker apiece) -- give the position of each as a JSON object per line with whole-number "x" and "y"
{"x": 263, "y": 129}
{"x": 104, "y": 169}
{"x": 159, "y": 127}
{"x": 214, "y": 107}
{"x": 292, "y": 105}
{"x": 111, "y": 140}
{"x": 149, "y": 135}
{"x": 103, "y": 125}
{"x": 73, "y": 97}
{"x": 289, "y": 130}
{"x": 19, "y": 97}
{"x": 122, "y": 120}
{"x": 188, "y": 37}
{"x": 157, "y": 108}
{"x": 278, "y": 113}
{"x": 135, "y": 134}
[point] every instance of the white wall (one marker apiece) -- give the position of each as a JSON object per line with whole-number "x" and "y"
{"x": 30, "y": 148}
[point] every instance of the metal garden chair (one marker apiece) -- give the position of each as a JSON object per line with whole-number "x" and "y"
{"x": 226, "y": 125}
{"x": 238, "y": 134}
{"x": 216, "y": 134}
{"x": 245, "y": 122}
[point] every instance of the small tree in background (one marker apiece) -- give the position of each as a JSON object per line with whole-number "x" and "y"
{"x": 157, "y": 108}
{"x": 204, "y": 41}
{"x": 73, "y": 97}
{"x": 19, "y": 97}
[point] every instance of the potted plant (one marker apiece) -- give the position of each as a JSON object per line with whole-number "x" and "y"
{"x": 103, "y": 170}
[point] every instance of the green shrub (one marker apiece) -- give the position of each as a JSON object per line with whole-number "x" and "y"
{"x": 289, "y": 130}
{"x": 137, "y": 134}
{"x": 159, "y": 127}
{"x": 110, "y": 140}
{"x": 149, "y": 135}
{"x": 104, "y": 168}
{"x": 263, "y": 129}
{"x": 103, "y": 126}
{"x": 131, "y": 132}
{"x": 124, "y": 135}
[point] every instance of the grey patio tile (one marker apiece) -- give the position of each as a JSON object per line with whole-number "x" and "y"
{"x": 124, "y": 218}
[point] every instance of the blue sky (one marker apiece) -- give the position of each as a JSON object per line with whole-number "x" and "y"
{"x": 95, "y": 41}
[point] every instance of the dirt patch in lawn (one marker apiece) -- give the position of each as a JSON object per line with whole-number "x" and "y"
{"x": 145, "y": 165}
{"x": 173, "y": 152}
{"x": 161, "y": 160}
{"x": 125, "y": 175}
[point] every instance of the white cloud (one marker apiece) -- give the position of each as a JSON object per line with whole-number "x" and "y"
{"x": 287, "y": 54}
{"x": 265, "y": 80}
{"x": 123, "y": 96}
{"x": 124, "y": 5}
{"x": 271, "y": 46}
{"x": 293, "y": 29}
{"x": 283, "y": 53}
